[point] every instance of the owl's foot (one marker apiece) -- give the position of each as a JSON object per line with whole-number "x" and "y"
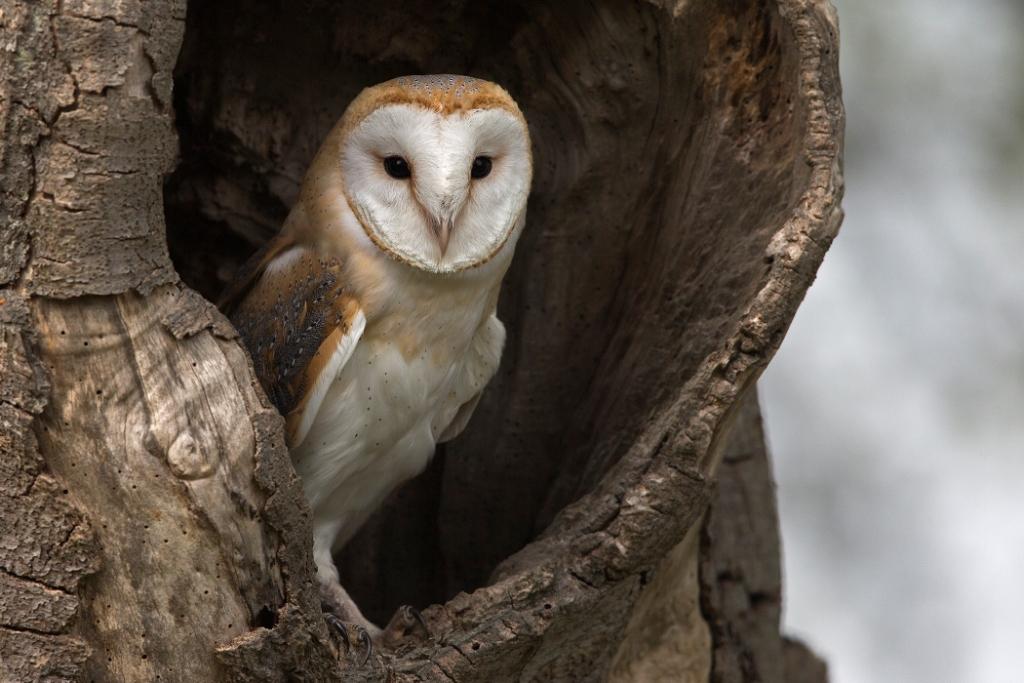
{"x": 350, "y": 636}
{"x": 407, "y": 625}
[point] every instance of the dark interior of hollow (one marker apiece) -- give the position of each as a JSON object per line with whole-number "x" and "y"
{"x": 666, "y": 155}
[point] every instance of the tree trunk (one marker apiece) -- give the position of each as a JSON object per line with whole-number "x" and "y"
{"x": 151, "y": 527}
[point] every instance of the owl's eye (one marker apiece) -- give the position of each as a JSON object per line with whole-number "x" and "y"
{"x": 397, "y": 167}
{"x": 481, "y": 167}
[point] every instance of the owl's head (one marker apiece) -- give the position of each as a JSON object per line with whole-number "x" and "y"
{"x": 436, "y": 169}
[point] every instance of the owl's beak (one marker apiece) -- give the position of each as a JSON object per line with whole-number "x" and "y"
{"x": 444, "y": 219}
{"x": 442, "y": 227}
{"x": 445, "y": 207}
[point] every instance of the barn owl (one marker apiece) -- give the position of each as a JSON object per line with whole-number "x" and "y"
{"x": 371, "y": 317}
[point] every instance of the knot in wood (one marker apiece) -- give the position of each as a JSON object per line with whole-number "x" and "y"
{"x": 186, "y": 459}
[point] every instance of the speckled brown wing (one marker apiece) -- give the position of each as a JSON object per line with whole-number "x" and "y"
{"x": 300, "y": 325}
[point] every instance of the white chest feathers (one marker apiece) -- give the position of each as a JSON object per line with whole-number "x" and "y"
{"x": 383, "y": 416}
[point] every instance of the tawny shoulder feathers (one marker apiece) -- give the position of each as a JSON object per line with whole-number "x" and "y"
{"x": 299, "y": 323}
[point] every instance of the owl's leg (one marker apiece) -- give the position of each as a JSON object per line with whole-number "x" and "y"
{"x": 336, "y": 599}
{"x": 341, "y": 613}
{"x": 358, "y": 632}
{"x": 345, "y": 615}
{"x": 350, "y": 636}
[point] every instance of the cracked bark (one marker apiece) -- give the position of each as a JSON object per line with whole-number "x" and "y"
{"x": 150, "y": 524}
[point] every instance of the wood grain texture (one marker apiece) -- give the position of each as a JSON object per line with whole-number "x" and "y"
{"x": 46, "y": 544}
{"x": 151, "y": 527}
{"x": 740, "y": 568}
{"x": 687, "y": 186}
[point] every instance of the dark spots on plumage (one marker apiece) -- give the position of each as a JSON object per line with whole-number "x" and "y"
{"x": 283, "y": 321}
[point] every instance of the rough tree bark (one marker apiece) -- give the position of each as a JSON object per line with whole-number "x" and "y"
{"x": 151, "y": 528}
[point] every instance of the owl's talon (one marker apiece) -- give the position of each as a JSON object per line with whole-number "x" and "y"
{"x": 407, "y": 624}
{"x": 350, "y": 635}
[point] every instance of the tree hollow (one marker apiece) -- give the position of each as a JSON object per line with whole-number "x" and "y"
{"x": 687, "y": 185}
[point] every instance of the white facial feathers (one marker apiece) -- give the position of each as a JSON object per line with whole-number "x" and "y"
{"x": 440, "y": 218}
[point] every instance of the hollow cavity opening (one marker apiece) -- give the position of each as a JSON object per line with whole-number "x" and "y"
{"x": 663, "y": 163}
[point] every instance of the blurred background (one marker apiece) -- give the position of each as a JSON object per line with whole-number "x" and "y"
{"x": 895, "y": 408}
